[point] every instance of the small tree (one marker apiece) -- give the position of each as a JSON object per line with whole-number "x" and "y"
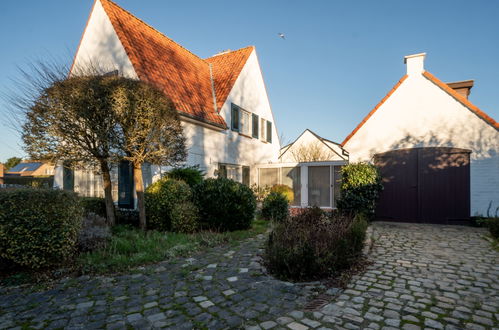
{"x": 310, "y": 152}
{"x": 150, "y": 130}
{"x": 11, "y": 162}
{"x": 72, "y": 121}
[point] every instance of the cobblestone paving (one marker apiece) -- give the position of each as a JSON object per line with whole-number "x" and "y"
{"x": 222, "y": 288}
{"x": 422, "y": 276}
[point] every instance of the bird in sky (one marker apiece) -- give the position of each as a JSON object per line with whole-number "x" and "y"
{"x": 281, "y": 35}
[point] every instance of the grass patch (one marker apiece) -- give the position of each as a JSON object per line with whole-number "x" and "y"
{"x": 130, "y": 247}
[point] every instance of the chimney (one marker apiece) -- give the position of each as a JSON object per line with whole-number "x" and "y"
{"x": 462, "y": 87}
{"x": 415, "y": 63}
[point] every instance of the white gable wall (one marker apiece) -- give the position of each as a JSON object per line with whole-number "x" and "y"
{"x": 420, "y": 114}
{"x": 208, "y": 147}
{"x": 307, "y": 139}
{"x": 101, "y": 48}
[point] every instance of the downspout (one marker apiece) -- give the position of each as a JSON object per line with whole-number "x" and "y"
{"x": 213, "y": 89}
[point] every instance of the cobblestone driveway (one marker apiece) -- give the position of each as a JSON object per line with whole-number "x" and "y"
{"x": 423, "y": 276}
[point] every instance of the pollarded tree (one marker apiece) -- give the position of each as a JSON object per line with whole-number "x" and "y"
{"x": 150, "y": 130}
{"x": 72, "y": 120}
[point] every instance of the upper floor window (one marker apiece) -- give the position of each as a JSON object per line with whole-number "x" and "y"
{"x": 235, "y": 118}
{"x": 244, "y": 122}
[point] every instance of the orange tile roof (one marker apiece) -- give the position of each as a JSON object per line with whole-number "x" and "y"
{"x": 366, "y": 118}
{"x": 463, "y": 100}
{"x": 182, "y": 75}
{"x": 226, "y": 69}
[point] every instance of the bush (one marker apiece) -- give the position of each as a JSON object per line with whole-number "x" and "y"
{"x": 285, "y": 190}
{"x": 492, "y": 224}
{"x": 94, "y": 205}
{"x": 260, "y": 192}
{"x": 38, "y": 227}
{"x": 360, "y": 188}
{"x": 225, "y": 204}
{"x": 275, "y": 207}
{"x": 94, "y": 233}
{"x": 191, "y": 175}
{"x": 313, "y": 245}
{"x": 169, "y": 206}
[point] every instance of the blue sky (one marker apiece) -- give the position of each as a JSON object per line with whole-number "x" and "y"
{"x": 338, "y": 60}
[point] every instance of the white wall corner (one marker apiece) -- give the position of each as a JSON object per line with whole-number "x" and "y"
{"x": 415, "y": 63}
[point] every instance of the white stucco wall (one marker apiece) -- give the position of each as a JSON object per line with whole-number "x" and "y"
{"x": 307, "y": 139}
{"x": 100, "y": 47}
{"x": 420, "y": 114}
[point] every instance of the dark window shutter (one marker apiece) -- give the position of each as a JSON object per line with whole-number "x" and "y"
{"x": 235, "y": 118}
{"x": 269, "y": 132}
{"x": 255, "y": 126}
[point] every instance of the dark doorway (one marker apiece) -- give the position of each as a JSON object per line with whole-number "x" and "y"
{"x": 429, "y": 185}
{"x": 125, "y": 186}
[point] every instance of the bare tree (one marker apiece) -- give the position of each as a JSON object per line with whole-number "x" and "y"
{"x": 150, "y": 130}
{"x": 311, "y": 152}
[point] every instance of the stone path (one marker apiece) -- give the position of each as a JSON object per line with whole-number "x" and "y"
{"x": 423, "y": 276}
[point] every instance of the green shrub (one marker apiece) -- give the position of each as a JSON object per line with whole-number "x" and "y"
{"x": 169, "y": 206}
{"x": 285, "y": 190}
{"x": 38, "y": 227}
{"x": 275, "y": 207}
{"x": 191, "y": 175}
{"x": 225, "y": 204}
{"x": 94, "y": 205}
{"x": 314, "y": 245}
{"x": 360, "y": 188}
{"x": 492, "y": 224}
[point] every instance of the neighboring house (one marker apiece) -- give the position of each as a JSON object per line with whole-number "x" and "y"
{"x": 310, "y": 147}
{"x": 30, "y": 169}
{"x": 438, "y": 153}
{"x": 222, "y": 100}
{"x": 2, "y": 171}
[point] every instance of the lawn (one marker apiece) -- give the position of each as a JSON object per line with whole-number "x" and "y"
{"x": 130, "y": 247}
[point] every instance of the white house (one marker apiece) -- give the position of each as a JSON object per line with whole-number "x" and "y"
{"x": 222, "y": 100}
{"x": 439, "y": 152}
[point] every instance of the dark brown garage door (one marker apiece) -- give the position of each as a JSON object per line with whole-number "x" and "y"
{"x": 425, "y": 185}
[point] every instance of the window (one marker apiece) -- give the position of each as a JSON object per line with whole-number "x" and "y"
{"x": 269, "y": 132}
{"x": 235, "y": 118}
{"x": 222, "y": 171}
{"x": 246, "y": 175}
{"x": 262, "y": 129}
{"x": 244, "y": 122}
{"x": 268, "y": 177}
{"x": 291, "y": 177}
{"x": 255, "y": 126}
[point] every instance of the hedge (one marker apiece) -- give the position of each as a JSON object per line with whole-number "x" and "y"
{"x": 38, "y": 227}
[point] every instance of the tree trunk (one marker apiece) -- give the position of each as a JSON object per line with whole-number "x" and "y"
{"x": 139, "y": 190}
{"x": 108, "y": 193}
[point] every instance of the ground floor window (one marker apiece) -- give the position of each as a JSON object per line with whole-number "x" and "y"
{"x": 234, "y": 172}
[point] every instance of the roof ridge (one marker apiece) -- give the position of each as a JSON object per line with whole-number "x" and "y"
{"x": 229, "y": 52}
{"x": 461, "y": 99}
{"x": 152, "y": 28}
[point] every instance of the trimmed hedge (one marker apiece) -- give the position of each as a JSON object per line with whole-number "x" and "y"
{"x": 225, "y": 205}
{"x": 96, "y": 205}
{"x": 314, "y": 245}
{"x": 33, "y": 182}
{"x": 191, "y": 175}
{"x": 169, "y": 206}
{"x": 360, "y": 188}
{"x": 275, "y": 207}
{"x": 38, "y": 227}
